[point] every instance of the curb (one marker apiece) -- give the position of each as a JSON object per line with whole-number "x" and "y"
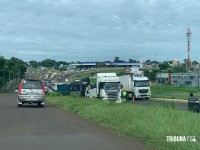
{"x": 173, "y": 100}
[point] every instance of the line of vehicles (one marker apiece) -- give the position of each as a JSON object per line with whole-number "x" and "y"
{"x": 108, "y": 86}
{"x": 66, "y": 88}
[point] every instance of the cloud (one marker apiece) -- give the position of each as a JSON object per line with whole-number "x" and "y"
{"x": 32, "y": 53}
{"x": 80, "y": 29}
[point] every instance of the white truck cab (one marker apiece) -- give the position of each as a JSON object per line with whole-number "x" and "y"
{"x": 141, "y": 87}
{"x": 108, "y": 87}
{"x": 136, "y": 84}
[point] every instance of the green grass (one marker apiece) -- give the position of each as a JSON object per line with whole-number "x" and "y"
{"x": 174, "y": 92}
{"x": 118, "y": 71}
{"x": 149, "y": 125}
{"x": 81, "y": 75}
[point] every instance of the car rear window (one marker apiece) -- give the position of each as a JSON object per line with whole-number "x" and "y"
{"x": 31, "y": 84}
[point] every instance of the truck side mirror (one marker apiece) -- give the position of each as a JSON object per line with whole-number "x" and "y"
{"x": 100, "y": 85}
{"x": 121, "y": 86}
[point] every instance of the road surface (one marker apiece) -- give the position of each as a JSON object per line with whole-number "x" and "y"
{"x": 179, "y": 105}
{"x": 51, "y": 128}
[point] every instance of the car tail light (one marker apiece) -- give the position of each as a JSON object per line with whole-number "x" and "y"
{"x": 20, "y": 88}
{"x": 43, "y": 90}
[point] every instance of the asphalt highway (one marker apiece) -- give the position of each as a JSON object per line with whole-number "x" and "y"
{"x": 51, "y": 128}
{"x": 179, "y": 105}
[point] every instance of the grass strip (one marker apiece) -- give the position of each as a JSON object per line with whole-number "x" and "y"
{"x": 150, "y": 125}
{"x": 174, "y": 92}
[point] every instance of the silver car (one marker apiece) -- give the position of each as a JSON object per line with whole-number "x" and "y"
{"x": 31, "y": 91}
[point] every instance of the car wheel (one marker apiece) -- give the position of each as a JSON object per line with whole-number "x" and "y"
{"x": 19, "y": 105}
{"x": 40, "y": 105}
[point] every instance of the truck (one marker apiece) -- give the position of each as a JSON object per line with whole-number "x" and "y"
{"x": 64, "y": 88}
{"x": 107, "y": 87}
{"x": 136, "y": 84}
{"x": 79, "y": 86}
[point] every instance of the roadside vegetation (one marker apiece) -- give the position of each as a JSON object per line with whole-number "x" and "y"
{"x": 10, "y": 69}
{"x": 11, "y": 89}
{"x": 174, "y": 92}
{"x": 150, "y": 125}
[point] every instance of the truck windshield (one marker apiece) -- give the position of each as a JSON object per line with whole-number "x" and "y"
{"x": 144, "y": 83}
{"x": 75, "y": 88}
{"x": 111, "y": 86}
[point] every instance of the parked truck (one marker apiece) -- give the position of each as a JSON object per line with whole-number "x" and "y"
{"x": 79, "y": 86}
{"x": 64, "y": 88}
{"x": 136, "y": 84}
{"x": 107, "y": 87}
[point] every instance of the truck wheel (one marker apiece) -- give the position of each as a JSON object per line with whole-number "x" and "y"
{"x": 130, "y": 96}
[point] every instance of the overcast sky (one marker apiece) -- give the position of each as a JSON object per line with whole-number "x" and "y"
{"x": 97, "y": 30}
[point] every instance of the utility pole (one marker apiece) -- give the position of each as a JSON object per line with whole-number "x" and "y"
{"x": 188, "y": 34}
{"x": 9, "y": 77}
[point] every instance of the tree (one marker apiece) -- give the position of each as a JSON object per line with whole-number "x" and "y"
{"x": 118, "y": 60}
{"x": 100, "y": 64}
{"x": 33, "y": 63}
{"x": 195, "y": 63}
{"x": 16, "y": 66}
{"x": 10, "y": 69}
{"x": 164, "y": 65}
{"x": 132, "y": 61}
{"x": 151, "y": 74}
{"x": 2, "y": 62}
{"x": 178, "y": 69}
{"x": 148, "y": 62}
{"x": 49, "y": 63}
{"x": 62, "y": 62}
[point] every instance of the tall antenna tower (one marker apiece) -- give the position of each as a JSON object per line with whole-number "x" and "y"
{"x": 188, "y": 33}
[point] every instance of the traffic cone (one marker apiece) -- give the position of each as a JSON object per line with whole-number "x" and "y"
{"x": 133, "y": 99}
